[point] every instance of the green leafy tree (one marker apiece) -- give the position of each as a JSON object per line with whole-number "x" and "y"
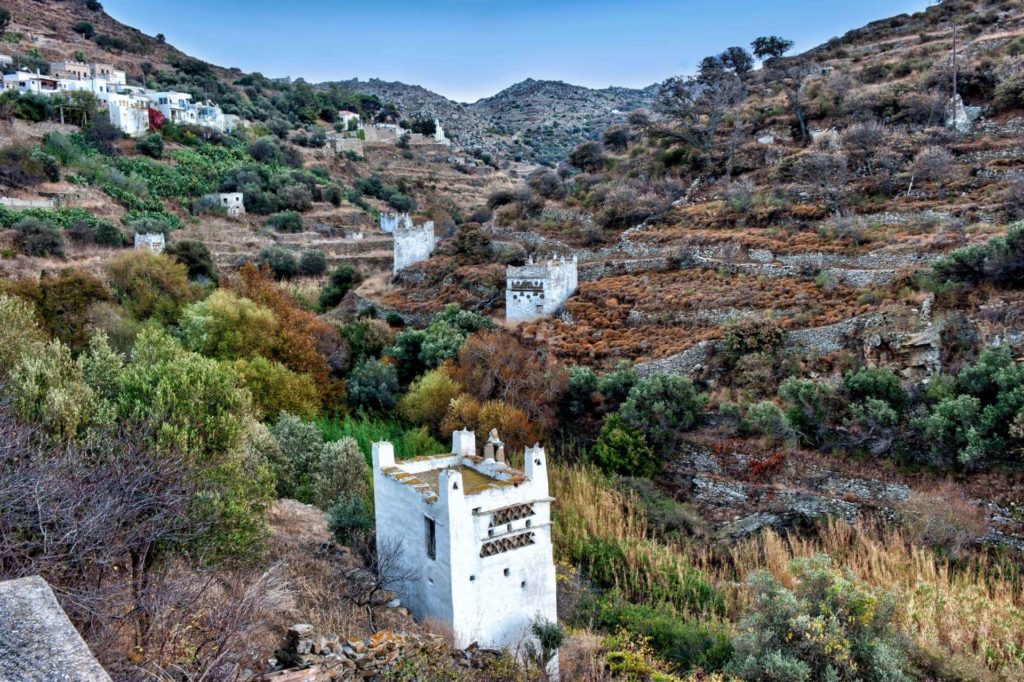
{"x": 622, "y": 450}
{"x": 226, "y": 326}
{"x": 286, "y": 221}
{"x": 373, "y": 385}
{"x": 428, "y": 399}
{"x": 341, "y": 473}
{"x": 275, "y": 389}
{"x": 661, "y": 407}
{"x": 48, "y": 388}
{"x": 195, "y": 256}
{"x": 194, "y": 409}
{"x": 312, "y": 263}
{"x": 20, "y": 333}
{"x": 150, "y": 286}
{"x": 280, "y": 261}
{"x": 771, "y": 47}
{"x": 5, "y": 20}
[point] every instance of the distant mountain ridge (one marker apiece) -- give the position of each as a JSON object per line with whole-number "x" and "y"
{"x": 534, "y": 120}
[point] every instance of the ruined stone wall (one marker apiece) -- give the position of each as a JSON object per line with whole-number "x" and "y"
{"x": 389, "y": 222}
{"x": 413, "y": 244}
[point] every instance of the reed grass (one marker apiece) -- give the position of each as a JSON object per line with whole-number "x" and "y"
{"x": 366, "y": 430}
{"x": 605, "y": 532}
{"x": 965, "y": 618}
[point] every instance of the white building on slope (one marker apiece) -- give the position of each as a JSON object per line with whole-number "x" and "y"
{"x": 474, "y": 532}
{"x": 538, "y": 289}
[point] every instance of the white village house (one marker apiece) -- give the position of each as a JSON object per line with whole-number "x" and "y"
{"x": 345, "y": 116}
{"x": 127, "y": 106}
{"x": 475, "y": 534}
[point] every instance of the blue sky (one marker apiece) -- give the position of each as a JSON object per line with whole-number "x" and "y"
{"x": 468, "y": 49}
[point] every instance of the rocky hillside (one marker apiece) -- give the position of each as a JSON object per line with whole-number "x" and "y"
{"x": 535, "y": 120}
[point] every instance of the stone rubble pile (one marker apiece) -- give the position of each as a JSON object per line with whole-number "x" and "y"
{"x": 310, "y": 657}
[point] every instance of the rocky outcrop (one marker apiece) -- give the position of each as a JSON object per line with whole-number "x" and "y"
{"x": 783, "y": 496}
{"x": 904, "y": 339}
{"x": 37, "y": 640}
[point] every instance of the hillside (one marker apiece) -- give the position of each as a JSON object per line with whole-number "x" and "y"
{"x": 781, "y": 410}
{"x": 535, "y": 121}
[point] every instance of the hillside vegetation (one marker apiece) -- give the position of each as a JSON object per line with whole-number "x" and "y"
{"x": 784, "y": 407}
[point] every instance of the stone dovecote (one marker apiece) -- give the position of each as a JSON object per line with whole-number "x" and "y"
{"x": 538, "y": 289}
{"x": 476, "y": 531}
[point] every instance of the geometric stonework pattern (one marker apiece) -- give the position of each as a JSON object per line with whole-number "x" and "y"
{"x": 509, "y": 514}
{"x": 506, "y": 544}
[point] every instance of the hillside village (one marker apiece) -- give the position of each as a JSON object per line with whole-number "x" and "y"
{"x": 716, "y": 380}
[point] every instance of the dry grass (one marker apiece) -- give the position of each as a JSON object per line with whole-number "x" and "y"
{"x": 301, "y": 544}
{"x": 967, "y": 619}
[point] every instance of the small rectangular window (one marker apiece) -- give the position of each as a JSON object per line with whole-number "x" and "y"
{"x": 431, "y": 538}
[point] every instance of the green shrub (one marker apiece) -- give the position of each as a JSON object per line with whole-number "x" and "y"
{"x": 428, "y": 398}
{"x": 227, "y": 327}
{"x": 149, "y": 286}
{"x": 827, "y": 627}
{"x": 1010, "y": 94}
{"x": 766, "y": 419}
{"x": 275, "y": 389}
{"x": 661, "y": 407}
{"x": 416, "y": 350}
{"x": 151, "y": 145}
{"x": 193, "y": 408}
{"x": 295, "y": 197}
{"x": 342, "y": 279}
{"x": 101, "y": 232}
{"x": 20, "y": 332}
{"x": 580, "y": 392}
{"x": 280, "y": 261}
{"x": 615, "y": 386}
{"x": 341, "y": 473}
{"x": 312, "y": 263}
{"x": 807, "y": 408}
{"x": 287, "y": 221}
{"x": 40, "y": 237}
{"x": 84, "y": 29}
{"x": 876, "y": 382}
{"x": 300, "y": 445}
{"x": 373, "y": 385}
{"x": 622, "y": 450}
{"x": 47, "y": 388}
{"x": 351, "y": 522}
{"x": 683, "y": 641}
